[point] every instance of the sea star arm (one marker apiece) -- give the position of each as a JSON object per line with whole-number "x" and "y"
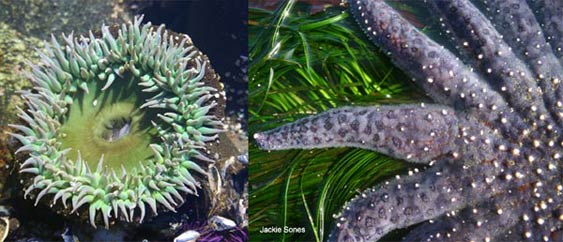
{"x": 523, "y": 208}
{"x": 524, "y": 213}
{"x": 495, "y": 60}
{"x": 550, "y": 15}
{"x": 413, "y": 199}
{"x": 516, "y": 22}
{"x": 397, "y": 204}
{"x": 438, "y": 71}
{"x": 483, "y": 222}
{"x": 416, "y": 133}
{"x": 534, "y": 229}
{"x": 540, "y": 217}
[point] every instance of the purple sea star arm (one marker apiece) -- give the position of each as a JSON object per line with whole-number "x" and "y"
{"x": 416, "y": 133}
{"x": 533, "y": 229}
{"x": 517, "y": 23}
{"x": 523, "y": 208}
{"x": 544, "y": 210}
{"x": 439, "y": 72}
{"x": 412, "y": 199}
{"x": 494, "y": 148}
{"x": 550, "y": 15}
{"x": 496, "y": 61}
{"x": 483, "y": 222}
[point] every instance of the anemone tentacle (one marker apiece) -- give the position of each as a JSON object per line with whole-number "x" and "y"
{"x": 151, "y": 99}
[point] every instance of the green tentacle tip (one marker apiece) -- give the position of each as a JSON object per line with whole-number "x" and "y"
{"x": 104, "y": 134}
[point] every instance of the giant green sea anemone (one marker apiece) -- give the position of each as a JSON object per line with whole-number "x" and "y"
{"x": 118, "y": 121}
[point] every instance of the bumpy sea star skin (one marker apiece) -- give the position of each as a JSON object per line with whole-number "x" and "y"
{"x": 492, "y": 141}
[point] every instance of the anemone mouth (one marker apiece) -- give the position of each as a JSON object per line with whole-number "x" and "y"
{"x": 115, "y": 128}
{"x": 110, "y": 123}
{"x": 119, "y": 123}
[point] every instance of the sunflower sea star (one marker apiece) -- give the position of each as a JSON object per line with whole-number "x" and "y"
{"x": 491, "y": 141}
